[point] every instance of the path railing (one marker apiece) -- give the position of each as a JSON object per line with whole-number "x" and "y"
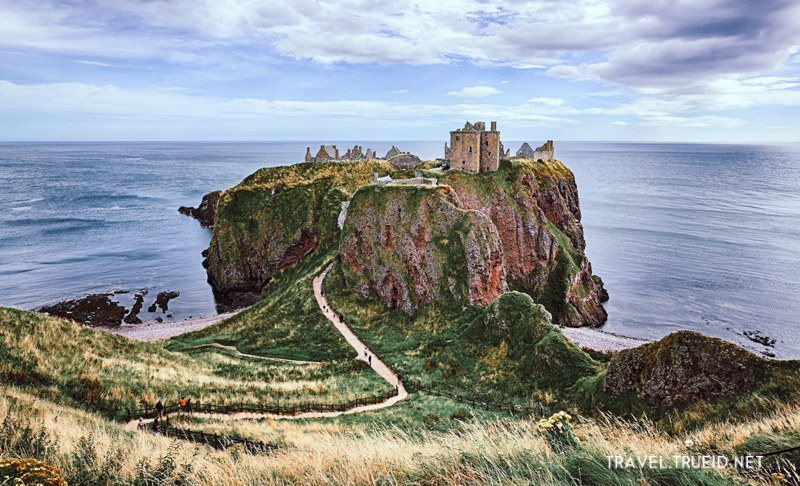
{"x": 219, "y": 442}
{"x": 262, "y": 408}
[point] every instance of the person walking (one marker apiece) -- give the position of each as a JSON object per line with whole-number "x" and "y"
{"x": 365, "y": 352}
{"x": 141, "y": 425}
{"x": 182, "y": 403}
{"x": 370, "y": 359}
{"x": 160, "y": 409}
{"x": 189, "y": 406}
{"x": 399, "y": 379}
{"x": 155, "y": 426}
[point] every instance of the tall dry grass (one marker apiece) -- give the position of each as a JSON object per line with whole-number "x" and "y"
{"x": 498, "y": 451}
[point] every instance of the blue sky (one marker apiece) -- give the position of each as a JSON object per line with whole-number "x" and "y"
{"x": 631, "y": 70}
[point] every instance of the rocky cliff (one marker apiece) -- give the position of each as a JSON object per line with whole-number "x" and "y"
{"x": 534, "y": 207}
{"x": 277, "y": 216}
{"x": 206, "y": 212}
{"x": 415, "y": 244}
{"x": 468, "y": 240}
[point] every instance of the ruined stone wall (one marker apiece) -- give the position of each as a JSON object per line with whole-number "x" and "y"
{"x": 465, "y": 151}
{"x": 404, "y": 161}
{"x": 545, "y": 152}
{"x": 490, "y": 151}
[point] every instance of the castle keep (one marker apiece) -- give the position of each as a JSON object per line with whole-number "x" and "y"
{"x": 474, "y": 149}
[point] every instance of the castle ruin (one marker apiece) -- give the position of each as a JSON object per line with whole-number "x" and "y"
{"x": 328, "y": 153}
{"x": 545, "y": 152}
{"x": 474, "y": 149}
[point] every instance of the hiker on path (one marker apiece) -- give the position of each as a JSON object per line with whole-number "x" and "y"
{"x": 399, "y": 379}
{"x": 189, "y": 406}
{"x": 183, "y": 405}
{"x": 365, "y": 352}
{"x": 155, "y": 426}
{"x": 160, "y": 408}
{"x": 370, "y": 360}
{"x": 141, "y": 425}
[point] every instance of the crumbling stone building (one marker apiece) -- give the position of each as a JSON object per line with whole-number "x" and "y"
{"x": 474, "y": 149}
{"x": 545, "y": 152}
{"x": 330, "y": 152}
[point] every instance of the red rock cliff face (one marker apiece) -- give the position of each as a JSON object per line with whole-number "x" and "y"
{"x": 416, "y": 244}
{"x": 529, "y": 204}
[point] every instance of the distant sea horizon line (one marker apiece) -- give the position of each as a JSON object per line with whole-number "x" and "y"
{"x": 665, "y": 142}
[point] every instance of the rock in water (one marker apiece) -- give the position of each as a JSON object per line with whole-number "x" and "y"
{"x": 206, "y": 213}
{"x": 412, "y": 244}
{"x": 94, "y": 310}
{"x": 685, "y": 365}
{"x": 132, "y": 317}
{"x": 163, "y": 298}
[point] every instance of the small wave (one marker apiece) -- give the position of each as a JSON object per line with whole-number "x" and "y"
{"x": 23, "y": 208}
{"x": 29, "y": 201}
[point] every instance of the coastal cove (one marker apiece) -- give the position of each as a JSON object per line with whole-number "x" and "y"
{"x": 698, "y": 236}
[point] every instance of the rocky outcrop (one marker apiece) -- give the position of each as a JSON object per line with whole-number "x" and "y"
{"x": 94, "y": 309}
{"x": 276, "y": 217}
{"x": 206, "y": 213}
{"x": 411, "y": 244}
{"x": 685, "y": 365}
{"x": 534, "y": 207}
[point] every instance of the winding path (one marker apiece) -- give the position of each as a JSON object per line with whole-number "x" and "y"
{"x": 377, "y": 365}
{"x": 236, "y": 352}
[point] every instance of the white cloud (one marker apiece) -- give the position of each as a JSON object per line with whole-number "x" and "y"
{"x": 474, "y": 92}
{"x": 547, "y": 102}
{"x": 620, "y": 123}
{"x": 174, "y": 102}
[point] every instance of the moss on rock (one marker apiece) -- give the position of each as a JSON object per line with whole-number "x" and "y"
{"x": 685, "y": 365}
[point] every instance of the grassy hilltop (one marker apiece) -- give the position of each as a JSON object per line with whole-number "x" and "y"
{"x": 63, "y": 387}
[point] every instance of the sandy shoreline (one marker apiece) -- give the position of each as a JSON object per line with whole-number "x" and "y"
{"x": 598, "y": 340}
{"x": 165, "y": 330}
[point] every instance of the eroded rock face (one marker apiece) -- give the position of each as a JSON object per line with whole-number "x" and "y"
{"x": 275, "y": 218}
{"x": 416, "y": 244}
{"x": 523, "y": 204}
{"x": 206, "y": 213}
{"x": 685, "y": 365}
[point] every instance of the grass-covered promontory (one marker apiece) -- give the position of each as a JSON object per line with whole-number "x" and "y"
{"x": 94, "y": 370}
{"x": 278, "y": 216}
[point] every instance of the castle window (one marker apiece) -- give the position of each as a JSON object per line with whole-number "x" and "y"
{"x": 470, "y": 149}
{"x": 456, "y": 138}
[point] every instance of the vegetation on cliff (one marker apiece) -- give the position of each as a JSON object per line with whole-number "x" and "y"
{"x": 414, "y": 244}
{"x": 277, "y": 216}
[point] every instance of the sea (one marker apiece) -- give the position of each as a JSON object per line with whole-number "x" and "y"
{"x": 685, "y": 236}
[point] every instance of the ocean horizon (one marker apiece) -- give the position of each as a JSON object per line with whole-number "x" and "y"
{"x": 685, "y": 236}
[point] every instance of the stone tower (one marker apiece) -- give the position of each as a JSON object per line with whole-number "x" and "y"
{"x": 474, "y": 149}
